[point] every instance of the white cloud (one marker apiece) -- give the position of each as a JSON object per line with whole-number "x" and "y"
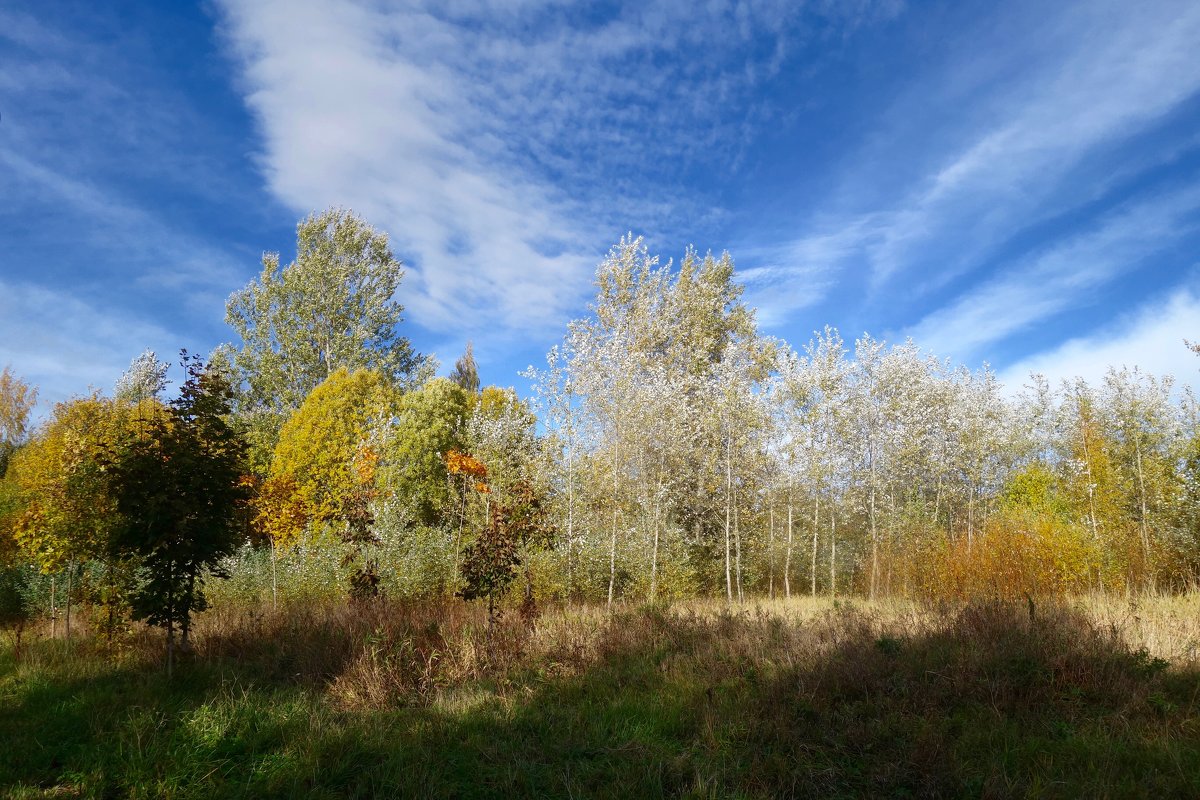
{"x": 504, "y": 147}
{"x": 1068, "y": 275}
{"x": 1019, "y": 116}
{"x": 63, "y": 343}
{"x": 1150, "y": 339}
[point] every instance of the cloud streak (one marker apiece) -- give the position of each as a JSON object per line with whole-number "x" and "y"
{"x": 62, "y": 343}
{"x": 1030, "y": 124}
{"x": 1069, "y": 275}
{"x": 504, "y": 147}
{"x": 1150, "y": 338}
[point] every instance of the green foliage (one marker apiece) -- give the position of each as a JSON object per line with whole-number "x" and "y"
{"x": 502, "y": 434}
{"x": 332, "y": 308}
{"x": 430, "y": 423}
{"x": 1035, "y": 489}
{"x": 17, "y": 399}
{"x": 178, "y": 486}
{"x": 68, "y": 508}
{"x": 515, "y": 525}
{"x": 466, "y": 372}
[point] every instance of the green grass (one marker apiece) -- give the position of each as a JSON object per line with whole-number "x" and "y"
{"x": 979, "y": 703}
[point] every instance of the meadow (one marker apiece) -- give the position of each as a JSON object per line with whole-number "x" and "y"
{"x": 1096, "y": 697}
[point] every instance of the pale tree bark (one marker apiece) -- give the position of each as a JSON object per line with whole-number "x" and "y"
{"x": 816, "y": 530}
{"x": 832, "y": 554}
{"x": 728, "y": 518}
{"x": 737, "y": 545}
{"x": 612, "y": 560}
{"x": 771, "y": 552}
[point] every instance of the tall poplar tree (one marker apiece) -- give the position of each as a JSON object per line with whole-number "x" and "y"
{"x": 333, "y": 307}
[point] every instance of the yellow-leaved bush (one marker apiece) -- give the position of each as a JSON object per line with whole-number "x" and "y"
{"x": 327, "y": 451}
{"x": 1019, "y": 552}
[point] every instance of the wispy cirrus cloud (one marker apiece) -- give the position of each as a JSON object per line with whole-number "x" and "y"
{"x": 65, "y": 344}
{"x": 1001, "y": 133}
{"x": 1070, "y": 274}
{"x": 1150, "y": 338}
{"x": 505, "y": 146}
{"x": 104, "y": 170}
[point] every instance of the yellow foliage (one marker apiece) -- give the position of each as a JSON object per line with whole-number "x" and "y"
{"x": 324, "y": 448}
{"x": 1017, "y": 554}
{"x": 459, "y": 463}
{"x": 60, "y": 478}
{"x": 278, "y": 512}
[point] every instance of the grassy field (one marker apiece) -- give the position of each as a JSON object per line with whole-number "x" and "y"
{"x": 778, "y": 699}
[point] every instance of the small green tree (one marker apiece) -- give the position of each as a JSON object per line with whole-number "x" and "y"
{"x": 430, "y": 423}
{"x": 179, "y": 489}
{"x": 466, "y": 372}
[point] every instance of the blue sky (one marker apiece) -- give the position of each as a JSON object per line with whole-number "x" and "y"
{"x": 1014, "y": 183}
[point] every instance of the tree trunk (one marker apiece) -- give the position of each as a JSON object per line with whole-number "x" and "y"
{"x": 728, "y": 512}
{"x": 970, "y": 517}
{"x": 874, "y": 539}
{"x": 185, "y": 625}
{"x": 771, "y": 552}
{"x": 737, "y": 545}
{"x": 274, "y": 582}
{"x": 170, "y": 648}
{"x": 787, "y": 555}
{"x": 70, "y": 571}
{"x": 654, "y": 558}
{"x": 816, "y": 533}
{"x": 110, "y": 624}
{"x": 570, "y": 522}
{"x": 462, "y": 521}
{"x": 612, "y": 561}
{"x": 1147, "y": 566}
{"x": 658, "y": 491}
{"x": 53, "y": 610}
{"x": 832, "y": 554}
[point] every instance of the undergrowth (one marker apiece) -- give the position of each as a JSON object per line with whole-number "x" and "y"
{"x": 399, "y": 699}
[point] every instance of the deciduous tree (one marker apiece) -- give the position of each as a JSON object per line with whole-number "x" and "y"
{"x": 179, "y": 490}
{"x": 333, "y": 307}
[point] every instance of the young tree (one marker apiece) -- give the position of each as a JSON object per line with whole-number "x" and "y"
{"x": 68, "y": 509}
{"x": 429, "y": 423}
{"x": 466, "y": 373}
{"x": 144, "y": 380}
{"x": 329, "y": 451}
{"x": 642, "y": 375}
{"x": 491, "y": 562}
{"x": 179, "y": 490}
{"x": 1143, "y": 425}
{"x": 320, "y": 445}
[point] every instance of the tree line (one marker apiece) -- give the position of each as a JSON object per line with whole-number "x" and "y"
{"x": 668, "y": 449}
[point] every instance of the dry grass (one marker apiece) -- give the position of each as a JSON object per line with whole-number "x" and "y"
{"x": 383, "y": 654}
{"x": 772, "y": 698}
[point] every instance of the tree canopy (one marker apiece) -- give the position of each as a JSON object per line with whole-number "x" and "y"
{"x": 333, "y": 307}
{"x": 17, "y": 399}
